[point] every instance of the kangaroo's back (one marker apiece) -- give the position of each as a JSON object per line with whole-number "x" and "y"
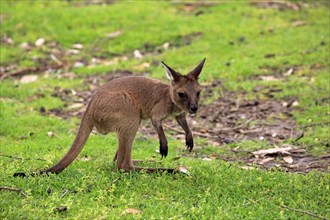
{"x": 147, "y": 93}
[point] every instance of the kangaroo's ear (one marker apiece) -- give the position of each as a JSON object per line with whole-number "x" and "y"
{"x": 171, "y": 73}
{"x": 197, "y": 71}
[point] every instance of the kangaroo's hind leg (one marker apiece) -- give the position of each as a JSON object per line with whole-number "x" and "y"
{"x": 124, "y": 152}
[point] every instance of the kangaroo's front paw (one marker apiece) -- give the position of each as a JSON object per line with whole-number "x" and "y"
{"x": 189, "y": 142}
{"x": 163, "y": 150}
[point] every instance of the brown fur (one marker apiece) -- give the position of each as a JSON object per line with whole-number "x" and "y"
{"x": 121, "y": 104}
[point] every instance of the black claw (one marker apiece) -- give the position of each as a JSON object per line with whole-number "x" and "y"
{"x": 190, "y": 144}
{"x": 163, "y": 151}
{"x": 33, "y": 174}
{"x": 164, "y": 154}
{"x": 22, "y": 175}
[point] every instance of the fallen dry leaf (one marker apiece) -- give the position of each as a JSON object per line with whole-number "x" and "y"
{"x": 39, "y": 42}
{"x": 176, "y": 158}
{"x": 207, "y": 159}
{"x": 270, "y": 55}
{"x": 55, "y": 59}
{"x": 295, "y": 103}
{"x": 203, "y": 130}
{"x": 263, "y": 161}
{"x": 104, "y": 62}
{"x": 132, "y": 211}
{"x": 69, "y": 75}
{"x": 262, "y": 153}
{"x": 248, "y": 168}
{"x": 78, "y": 46}
{"x": 61, "y": 209}
{"x": 214, "y": 157}
{"x": 288, "y": 159}
{"x": 114, "y": 34}
{"x": 142, "y": 66}
{"x": 78, "y": 64}
{"x": 298, "y": 23}
{"x": 289, "y": 72}
{"x": 51, "y": 134}
{"x": 166, "y": 45}
{"x": 72, "y": 51}
{"x": 269, "y": 78}
{"x": 76, "y": 106}
{"x": 137, "y": 54}
{"x": 26, "y": 46}
{"x": 7, "y": 40}
{"x": 184, "y": 170}
{"x": 28, "y": 79}
{"x": 85, "y": 158}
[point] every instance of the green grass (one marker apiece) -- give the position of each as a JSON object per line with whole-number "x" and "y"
{"x": 215, "y": 189}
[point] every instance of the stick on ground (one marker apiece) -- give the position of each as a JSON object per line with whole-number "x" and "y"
{"x": 304, "y": 212}
{"x": 13, "y": 189}
{"x": 20, "y": 158}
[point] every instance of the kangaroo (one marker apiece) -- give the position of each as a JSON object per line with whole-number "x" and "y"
{"x": 121, "y": 104}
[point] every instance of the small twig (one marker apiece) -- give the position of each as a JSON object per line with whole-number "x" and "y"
{"x": 28, "y": 70}
{"x": 276, "y": 125}
{"x": 299, "y": 136}
{"x": 142, "y": 161}
{"x": 235, "y": 150}
{"x": 257, "y": 130}
{"x": 315, "y": 124}
{"x": 304, "y": 212}
{"x": 324, "y": 156}
{"x": 64, "y": 193}
{"x": 207, "y": 135}
{"x": 237, "y": 127}
{"x": 182, "y": 132}
{"x": 13, "y": 189}
{"x": 325, "y": 142}
{"x": 56, "y": 60}
{"x": 20, "y": 158}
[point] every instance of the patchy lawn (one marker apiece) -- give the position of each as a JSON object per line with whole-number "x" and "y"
{"x": 262, "y": 132}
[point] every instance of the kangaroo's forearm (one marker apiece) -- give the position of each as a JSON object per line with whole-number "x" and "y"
{"x": 163, "y": 148}
{"x": 181, "y": 119}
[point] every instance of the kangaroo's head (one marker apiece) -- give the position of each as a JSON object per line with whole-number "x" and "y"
{"x": 185, "y": 89}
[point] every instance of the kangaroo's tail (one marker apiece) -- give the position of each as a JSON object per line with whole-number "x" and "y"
{"x": 85, "y": 129}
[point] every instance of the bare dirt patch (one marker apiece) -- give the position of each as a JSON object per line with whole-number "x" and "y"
{"x": 233, "y": 118}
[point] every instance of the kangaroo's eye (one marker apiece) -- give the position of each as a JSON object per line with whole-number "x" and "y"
{"x": 182, "y": 95}
{"x": 198, "y": 93}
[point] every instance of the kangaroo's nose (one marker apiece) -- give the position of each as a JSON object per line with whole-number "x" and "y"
{"x": 193, "y": 108}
